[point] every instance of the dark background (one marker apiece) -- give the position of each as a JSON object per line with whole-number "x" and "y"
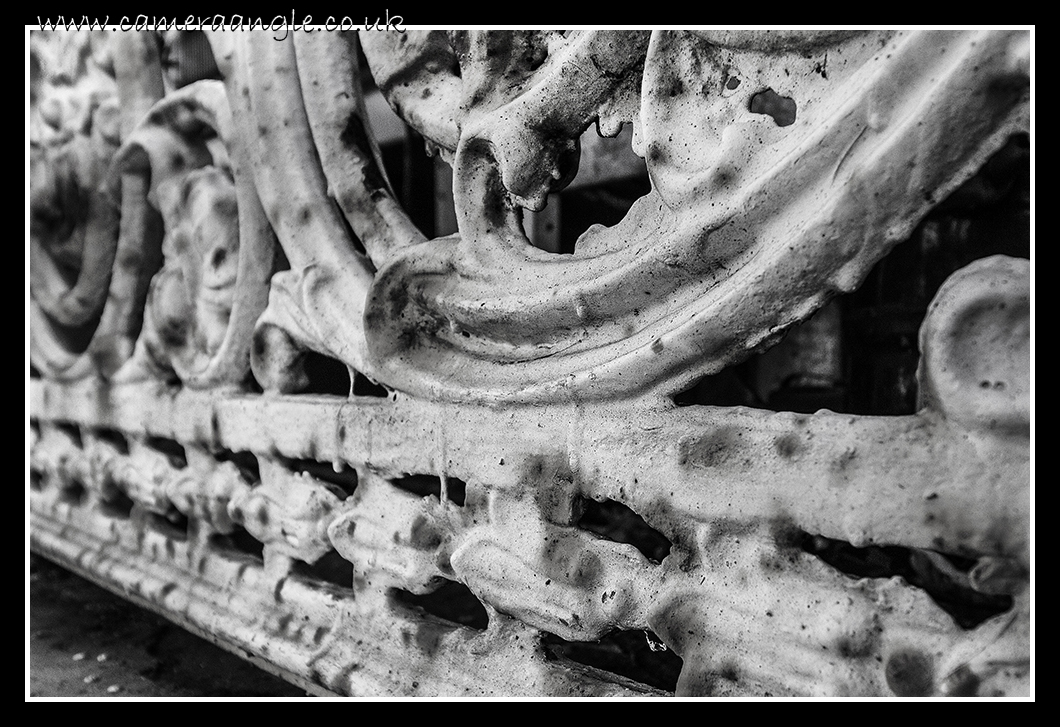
{"x": 84, "y": 641}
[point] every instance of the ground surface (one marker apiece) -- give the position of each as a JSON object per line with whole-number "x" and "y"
{"x": 84, "y": 642}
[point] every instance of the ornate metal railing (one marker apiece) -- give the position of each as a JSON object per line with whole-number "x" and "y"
{"x": 276, "y": 401}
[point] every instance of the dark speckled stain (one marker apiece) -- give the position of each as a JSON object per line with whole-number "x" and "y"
{"x": 355, "y": 138}
{"x": 129, "y": 258}
{"x": 392, "y": 309}
{"x": 963, "y": 682}
{"x": 724, "y": 529}
{"x": 340, "y": 684}
{"x": 166, "y": 590}
{"x": 787, "y": 536}
{"x": 788, "y": 445}
{"x": 702, "y": 684}
{"x": 173, "y": 332}
{"x": 544, "y": 467}
{"x": 495, "y": 205}
{"x": 777, "y": 561}
{"x": 428, "y": 636}
{"x": 709, "y": 450}
{"x": 424, "y": 535}
{"x": 722, "y": 179}
{"x": 910, "y": 674}
{"x": 284, "y": 622}
{"x": 858, "y": 645}
{"x": 843, "y": 461}
{"x": 259, "y": 344}
{"x": 397, "y": 298}
{"x": 588, "y": 570}
{"x": 319, "y": 634}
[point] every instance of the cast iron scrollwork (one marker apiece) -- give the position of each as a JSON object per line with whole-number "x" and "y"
{"x": 200, "y": 229}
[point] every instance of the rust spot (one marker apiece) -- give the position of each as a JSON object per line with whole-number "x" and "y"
{"x": 355, "y": 138}
{"x": 708, "y": 450}
{"x": 588, "y": 570}
{"x": 963, "y": 682}
{"x": 771, "y": 562}
{"x": 424, "y": 535}
{"x": 173, "y": 332}
{"x": 910, "y": 674}
{"x": 129, "y": 258}
{"x": 722, "y": 178}
{"x": 341, "y": 681}
{"x": 428, "y": 636}
{"x": 788, "y": 445}
{"x": 260, "y": 345}
{"x": 844, "y": 460}
{"x": 787, "y": 536}
{"x": 855, "y": 646}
